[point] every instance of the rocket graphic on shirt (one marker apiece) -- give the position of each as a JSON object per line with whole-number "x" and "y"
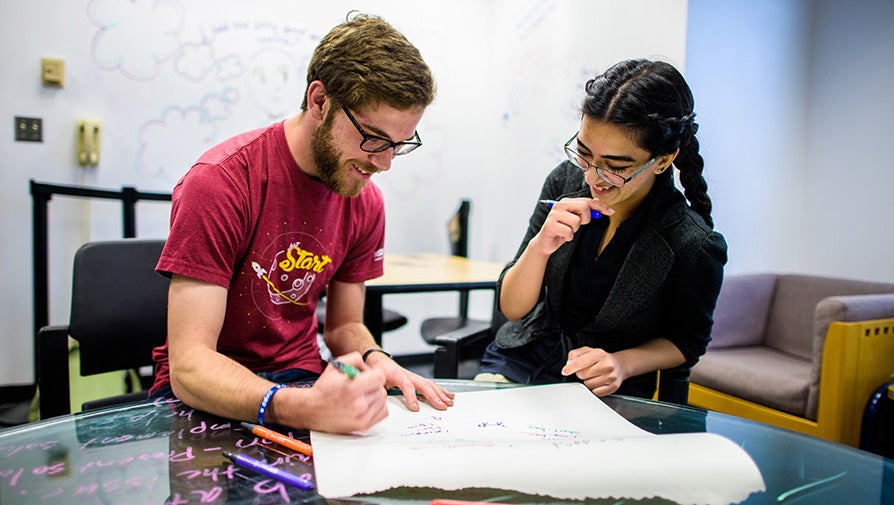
{"x": 291, "y": 274}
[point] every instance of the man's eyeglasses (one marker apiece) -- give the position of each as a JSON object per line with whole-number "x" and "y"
{"x": 613, "y": 178}
{"x": 376, "y": 144}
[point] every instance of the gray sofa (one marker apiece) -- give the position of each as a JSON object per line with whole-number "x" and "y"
{"x": 766, "y": 356}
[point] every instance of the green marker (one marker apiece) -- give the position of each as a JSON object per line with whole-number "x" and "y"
{"x": 345, "y": 368}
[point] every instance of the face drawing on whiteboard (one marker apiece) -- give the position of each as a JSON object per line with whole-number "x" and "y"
{"x": 274, "y": 82}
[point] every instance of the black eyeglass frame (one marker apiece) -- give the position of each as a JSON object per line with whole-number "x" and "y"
{"x": 400, "y": 148}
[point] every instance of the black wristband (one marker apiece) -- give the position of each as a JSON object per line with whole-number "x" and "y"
{"x": 370, "y": 351}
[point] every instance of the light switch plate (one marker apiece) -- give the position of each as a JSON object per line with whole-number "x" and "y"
{"x": 28, "y": 129}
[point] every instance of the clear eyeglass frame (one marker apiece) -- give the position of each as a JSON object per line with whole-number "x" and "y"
{"x": 609, "y": 176}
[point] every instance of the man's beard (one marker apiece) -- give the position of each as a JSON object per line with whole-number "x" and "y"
{"x": 328, "y": 161}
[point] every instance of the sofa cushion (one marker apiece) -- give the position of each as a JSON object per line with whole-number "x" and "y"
{"x": 790, "y": 326}
{"x": 758, "y": 374}
{"x": 743, "y": 304}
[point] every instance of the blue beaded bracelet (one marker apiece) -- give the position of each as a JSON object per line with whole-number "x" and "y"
{"x": 265, "y": 401}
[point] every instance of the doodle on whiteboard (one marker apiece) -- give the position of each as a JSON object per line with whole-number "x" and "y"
{"x": 178, "y": 126}
{"x": 216, "y": 107}
{"x": 229, "y": 67}
{"x": 274, "y": 82}
{"x": 195, "y": 61}
{"x": 156, "y": 25}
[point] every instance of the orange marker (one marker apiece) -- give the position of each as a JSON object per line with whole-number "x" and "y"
{"x": 268, "y": 434}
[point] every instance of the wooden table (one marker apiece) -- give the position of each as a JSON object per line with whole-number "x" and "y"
{"x": 421, "y": 273}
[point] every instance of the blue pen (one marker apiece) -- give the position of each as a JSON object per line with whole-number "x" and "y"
{"x": 595, "y": 214}
{"x": 345, "y": 368}
{"x": 269, "y": 471}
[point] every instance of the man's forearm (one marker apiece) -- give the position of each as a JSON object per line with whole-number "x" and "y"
{"x": 352, "y": 337}
{"x": 212, "y": 382}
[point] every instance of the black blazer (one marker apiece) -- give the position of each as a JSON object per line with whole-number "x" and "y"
{"x": 667, "y": 286}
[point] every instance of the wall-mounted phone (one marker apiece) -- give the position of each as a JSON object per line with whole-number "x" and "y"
{"x": 89, "y": 135}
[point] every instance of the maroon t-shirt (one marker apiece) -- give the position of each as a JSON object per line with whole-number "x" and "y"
{"x": 247, "y": 218}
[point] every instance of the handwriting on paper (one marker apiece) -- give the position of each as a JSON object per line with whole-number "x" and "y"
{"x": 438, "y": 431}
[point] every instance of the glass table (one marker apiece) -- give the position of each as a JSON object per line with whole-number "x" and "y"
{"x": 167, "y": 453}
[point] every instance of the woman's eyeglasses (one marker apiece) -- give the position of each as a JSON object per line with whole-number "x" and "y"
{"x": 613, "y": 178}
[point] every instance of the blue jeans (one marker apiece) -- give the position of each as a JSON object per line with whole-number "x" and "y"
{"x": 540, "y": 361}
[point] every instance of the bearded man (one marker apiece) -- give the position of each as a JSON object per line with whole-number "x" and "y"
{"x": 264, "y": 222}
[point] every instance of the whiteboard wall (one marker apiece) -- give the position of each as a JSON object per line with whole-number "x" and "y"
{"x": 168, "y": 79}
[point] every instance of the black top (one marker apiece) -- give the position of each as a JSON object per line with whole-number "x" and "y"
{"x": 665, "y": 283}
{"x": 590, "y": 279}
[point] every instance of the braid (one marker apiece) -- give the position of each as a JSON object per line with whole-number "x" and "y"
{"x": 674, "y": 129}
{"x": 690, "y": 163}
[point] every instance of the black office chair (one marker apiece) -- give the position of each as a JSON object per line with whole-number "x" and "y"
{"x": 118, "y": 315}
{"x": 435, "y": 327}
{"x": 464, "y": 343}
{"x": 469, "y": 343}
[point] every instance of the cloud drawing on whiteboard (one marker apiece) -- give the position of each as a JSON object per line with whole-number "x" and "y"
{"x": 195, "y": 61}
{"x": 135, "y": 36}
{"x": 177, "y": 127}
{"x": 217, "y": 107}
{"x": 229, "y": 67}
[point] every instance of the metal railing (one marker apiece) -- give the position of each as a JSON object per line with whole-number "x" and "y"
{"x": 41, "y": 194}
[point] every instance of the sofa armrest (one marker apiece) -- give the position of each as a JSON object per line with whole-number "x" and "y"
{"x": 848, "y": 309}
{"x": 856, "y": 361}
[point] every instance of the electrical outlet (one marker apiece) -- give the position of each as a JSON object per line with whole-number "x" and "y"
{"x": 28, "y": 129}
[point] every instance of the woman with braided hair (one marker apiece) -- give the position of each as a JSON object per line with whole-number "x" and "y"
{"x": 618, "y": 274}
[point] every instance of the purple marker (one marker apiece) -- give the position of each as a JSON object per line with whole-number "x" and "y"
{"x": 269, "y": 471}
{"x": 595, "y": 214}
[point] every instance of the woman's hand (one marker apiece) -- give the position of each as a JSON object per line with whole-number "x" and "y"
{"x": 563, "y": 220}
{"x": 604, "y": 372}
{"x": 600, "y": 371}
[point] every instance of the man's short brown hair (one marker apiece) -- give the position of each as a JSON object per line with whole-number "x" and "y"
{"x": 366, "y": 61}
